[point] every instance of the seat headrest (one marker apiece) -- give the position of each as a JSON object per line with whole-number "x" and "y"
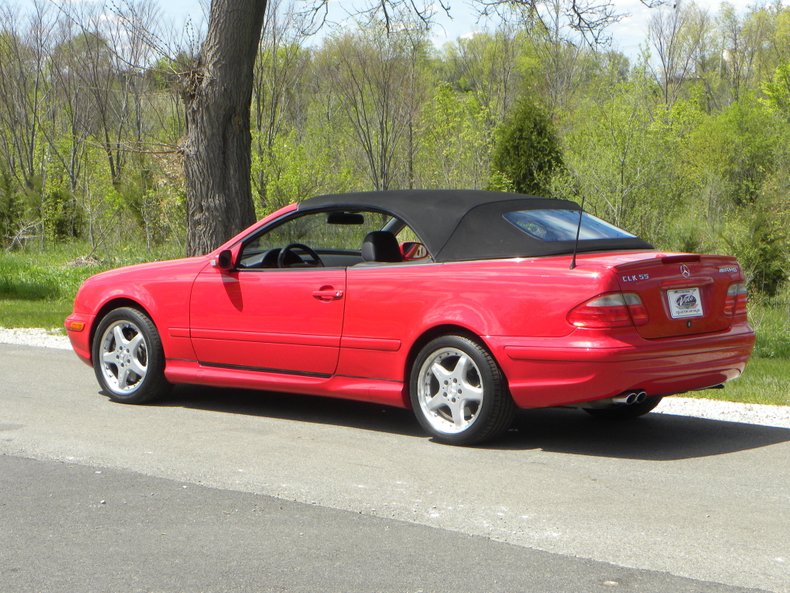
{"x": 381, "y": 246}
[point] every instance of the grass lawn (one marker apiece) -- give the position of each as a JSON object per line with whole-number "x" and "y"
{"x": 46, "y": 313}
{"x": 765, "y": 381}
{"x": 37, "y": 288}
{"x": 37, "y": 291}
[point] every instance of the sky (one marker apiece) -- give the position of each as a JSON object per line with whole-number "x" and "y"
{"x": 628, "y": 35}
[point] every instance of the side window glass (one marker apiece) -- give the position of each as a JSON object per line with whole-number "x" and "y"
{"x": 321, "y": 239}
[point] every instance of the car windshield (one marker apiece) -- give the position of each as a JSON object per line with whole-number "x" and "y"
{"x": 552, "y": 225}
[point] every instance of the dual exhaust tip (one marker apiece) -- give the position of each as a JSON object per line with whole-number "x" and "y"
{"x": 629, "y": 399}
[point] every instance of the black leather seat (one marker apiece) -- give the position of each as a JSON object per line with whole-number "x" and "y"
{"x": 381, "y": 246}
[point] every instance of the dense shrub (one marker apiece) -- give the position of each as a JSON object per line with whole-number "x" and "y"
{"x": 527, "y": 151}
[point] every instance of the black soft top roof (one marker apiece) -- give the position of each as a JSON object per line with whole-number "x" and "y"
{"x": 457, "y": 225}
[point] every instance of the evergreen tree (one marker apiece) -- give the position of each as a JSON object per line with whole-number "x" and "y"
{"x": 527, "y": 151}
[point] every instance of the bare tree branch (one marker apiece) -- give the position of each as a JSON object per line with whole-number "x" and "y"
{"x": 385, "y": 11}
{"x": 590, "y": 19}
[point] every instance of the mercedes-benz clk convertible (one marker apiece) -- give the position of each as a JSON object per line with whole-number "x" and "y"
{"x": 461, "y": 305}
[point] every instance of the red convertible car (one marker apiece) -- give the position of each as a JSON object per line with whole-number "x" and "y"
{"x": 461, "y": 305}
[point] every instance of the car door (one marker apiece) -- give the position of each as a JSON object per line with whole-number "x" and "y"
{"x": 285, "y": 321}
{"x": 269, "y": 319}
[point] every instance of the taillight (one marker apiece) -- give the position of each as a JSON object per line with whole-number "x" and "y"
{"x": 614, "y": 309}
{"x": 737, "y": 297}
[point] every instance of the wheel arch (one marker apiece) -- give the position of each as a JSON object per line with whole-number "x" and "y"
{"x": 446, "y": 329}
{"x": 111, "y": 305}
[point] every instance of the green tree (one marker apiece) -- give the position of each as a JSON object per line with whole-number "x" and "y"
{"x": 619, "y": 157}
{"x": 486, "y": 64}
{"x": 456, "y": 138}
{"x": 11, "y": 207}
{"x": 368, "y": 72}
{"x": 740, "y": 147}
{"x": 527, "y": 151}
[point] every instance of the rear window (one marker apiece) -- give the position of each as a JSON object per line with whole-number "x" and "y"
{"x": 552, "y": 225}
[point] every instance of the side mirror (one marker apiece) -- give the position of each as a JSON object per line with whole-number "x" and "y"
{"x": 412, "y": 250}
{"x": 224, "y": 261}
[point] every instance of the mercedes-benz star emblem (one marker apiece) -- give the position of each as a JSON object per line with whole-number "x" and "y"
{"x": 684, "y": 271}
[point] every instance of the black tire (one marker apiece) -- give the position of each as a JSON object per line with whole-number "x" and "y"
{"x": 440, "y": 405}
{"x": 621, "y": 412}
{"x": 128, "y": 358}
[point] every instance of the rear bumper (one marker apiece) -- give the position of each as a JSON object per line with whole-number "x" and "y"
{"x": 585, "y": 367}
{"x": 80, "y": 339}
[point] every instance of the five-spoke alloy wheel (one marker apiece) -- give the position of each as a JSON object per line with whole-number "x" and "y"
{"x": 127, "y": 357}
{"x": 458, "y": 392}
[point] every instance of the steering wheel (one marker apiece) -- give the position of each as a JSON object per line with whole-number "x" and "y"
{"x": 293, "y": 248}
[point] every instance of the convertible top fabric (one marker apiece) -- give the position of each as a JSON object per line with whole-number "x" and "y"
{"x": 459, "y": 225}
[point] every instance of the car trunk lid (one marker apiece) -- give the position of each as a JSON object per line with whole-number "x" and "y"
{"x": 684, "y": 294}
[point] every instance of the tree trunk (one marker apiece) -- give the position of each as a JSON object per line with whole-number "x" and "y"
{"x": 217, "y": 148}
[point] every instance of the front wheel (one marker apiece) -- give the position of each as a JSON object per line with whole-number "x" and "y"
{"x": 458, "y": 393}
{"x": 128, "y": 358}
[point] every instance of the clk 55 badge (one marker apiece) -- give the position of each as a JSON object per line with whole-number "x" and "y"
{"x": 635, "y": 277}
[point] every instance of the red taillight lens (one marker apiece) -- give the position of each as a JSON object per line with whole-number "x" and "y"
{"x": 614, "y": 309}
{"x": 737, "y": 297}
{"x": 636, "y": 308}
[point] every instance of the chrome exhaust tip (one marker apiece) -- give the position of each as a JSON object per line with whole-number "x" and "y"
{"x": 626, "y": 399}
{"x": 640, "y": 397}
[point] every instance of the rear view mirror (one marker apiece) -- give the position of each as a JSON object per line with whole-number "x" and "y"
{"x": 345, "y": 218}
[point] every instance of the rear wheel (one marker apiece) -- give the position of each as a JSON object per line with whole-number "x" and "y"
{"x": 128, "y": 358}
{"x": 624, "y": 412}
{"x": 458, "y": 392}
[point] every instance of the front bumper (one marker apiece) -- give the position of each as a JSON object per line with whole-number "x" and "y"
{"x": 589, "y": 366}
{"x": 80, "y": 338}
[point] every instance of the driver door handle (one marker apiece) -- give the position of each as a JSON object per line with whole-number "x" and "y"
{"x": 328, "y": 293}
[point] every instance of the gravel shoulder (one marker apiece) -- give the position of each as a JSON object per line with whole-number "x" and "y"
{"x": 778, "y": 416}
{"x": 41, "y": 338}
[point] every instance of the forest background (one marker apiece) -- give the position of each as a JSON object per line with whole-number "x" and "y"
{"x": 685, "y": 145}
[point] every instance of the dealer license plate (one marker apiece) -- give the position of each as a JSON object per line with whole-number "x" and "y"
{"x": 684, "y": 302}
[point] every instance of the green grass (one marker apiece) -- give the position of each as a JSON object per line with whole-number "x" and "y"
{"x": 41, "y": 282}
{"x": 771, "y": 321}
{"x": 37, "y": 290}
{"x": 765, "y": 381}
{"x": 47, "y": 313}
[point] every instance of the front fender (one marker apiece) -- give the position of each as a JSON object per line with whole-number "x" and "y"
{"x": 160, "y": 290}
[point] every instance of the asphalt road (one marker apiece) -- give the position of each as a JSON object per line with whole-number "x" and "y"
{"x": 216, "y": 490}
